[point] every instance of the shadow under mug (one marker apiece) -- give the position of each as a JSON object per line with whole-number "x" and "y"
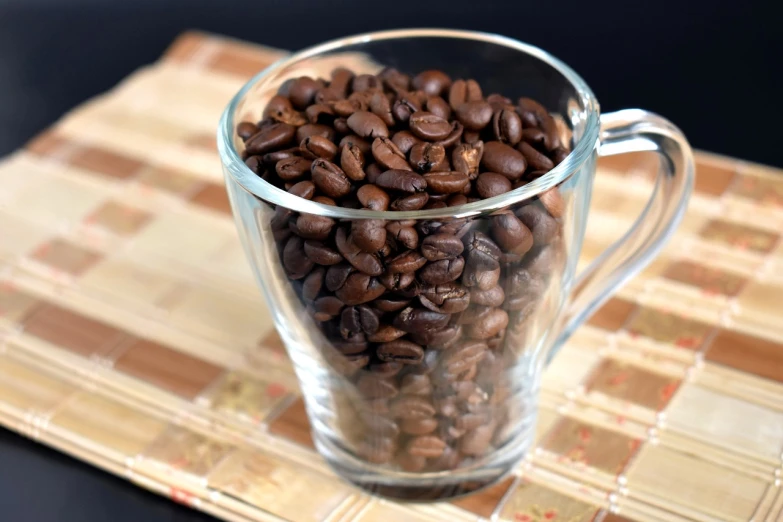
{"x": 464, "y": 415}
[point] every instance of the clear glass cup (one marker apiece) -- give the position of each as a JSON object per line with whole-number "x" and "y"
{"x": 460, "y": 414}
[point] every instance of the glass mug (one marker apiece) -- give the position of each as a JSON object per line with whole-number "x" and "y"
{"x": 461, "y": 413}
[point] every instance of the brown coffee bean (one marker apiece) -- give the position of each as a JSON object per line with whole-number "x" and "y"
{"x": 405, "y": 141}
{"x": 419, "y": 426}
{"x": 453, "y": 137}
{"x": 427, "y": 446}
{"x": 292, "y": 168}
{"x": 388, "y": 155}
{"x": 413, "y": 320}
{"x": 415, "y": 384}
{"x": 359, "y": 288}
{"x": 385, "y": 334}
{"x": 467, "y": 157}
{"x": 255, "y": 163}
{"x": 386, "y": 369}
{"x": 412, "y": 202}
{"x": 543, "y": 226}
{"x": 464, "y": 91}
{"x": 471, "y": 137}
{"x": 511, "y": 234}
{"x": 276, "y": 105}
{"x": 318, "y": 147}
{"x": 363, "y": 261}
{"x": 406, "y": 262}
{"x": 373, "y": 198}
{"x": 489, "y": 325}
{"x": 381, "y": 107}
{"x": 474, "y": 115}
{"x": 443, "y": 271}
{"x": 432, "y": 82}
{"x": 438, "y": 338}
{"x": 246, "y": 129}
{"x": 295, "y": 262}
{"x": 394, "y": 79}
{"x": 397, "y": 281}
{"x": 404, "y": 234}
{"x": 425, "y": 156}
{"x": 328, "y": 305}
{"x": 356, "y": 141}
{"x": 507, "y": 126}
{"x": 531, "y": 112}
{"x": 301, "y": 91}
{"x": 272, "y": 158}
{"x": 314, "y": 129}
{"x": 329, "y": 178}
{"x": 429, "y": 127}
{"x": 369, "y": 234}
{"x": 535, "y": 159}
{"x": 400, "y": 351}
{"x": 553, "y": 202}
{"x": 391, "y": 304}
{"x": 503, "y": 159}
{"x": 320, "y": 254}
{"x": 312, "y": 283}
{"x": 500, "y": 102}
{"x": 491, "y": 184}
{"x": 352, "y": 162}
{"x": 270, "y": 137}
{"x": 320, "y": 113}
{"x": 463, "y": 356}
{"x": 412, "y": 407}
{"x": 401, "y": 180}
{"x": 367, "y": 125}
{"x": 446, "y": 182}
{"x": 344, "y": 108}
{"x": 310, "y": 226}
{"x": 438, "y": 106}
{"x": 371, "y": 387}
{"x": 403, "y": 108}
{"x": 477, "y": 441}
{"x": 441, "y": 246}
{"x": 492, "y": 297}
{"x": 447, "y": 298}
{"x": 303, "y": 189}
{"x": 559, "y": 155}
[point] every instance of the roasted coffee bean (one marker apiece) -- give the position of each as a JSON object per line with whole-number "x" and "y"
{"x": 371, "y": 387}
{"x": 365, "y": 82}
{"x": 456, "y": 200}
{"x": 295, "y": 262}
{"x": 269, "y": 138}
{"x": 467, "y": 157}
{"x": 318, "y": 147}
{"x": 427, "y": 446}
{"x": 272, "y": 158}
{"x": 413, "y": 320}
{"x": 437, "y": 338}
{"x": 489, "y": 325}
{"x": 419, "y": 426}
{"x": 463, "y": 356}
{"x": 553, "y": 202}
{"x": 432, "y": 82}
{"x": 446, "y": 182}
{"x": 412, "y": 407}
{"x": 491, "y": 297}
{"x": 388, "y": 155}
{"x": 386, "y": 369}
{"x": 447, "y": 298}
{"x": 443, "y": 271}
{"x": 511, "y": 234}
{"x": 478, "y": 244}
{"x": 543, "y": 226}
{"x": 292, "y": 168}
{"x": 535, "y": 137}
{"x": 476, "y": 442}
{"x": 356, "y": 141}
{"x": 474, "y": 115}
{"x": 429, "y": 127}
{"x": 500, "y": 102}
{"x": 558, "y": 155}
{"x": 535, "y": 159}
{"x": 401, "y": 180}
{"x": 255, "y": 163}
{"x": 441, "y": 246}
{"x": 507, "y": 126}
{"x": 425, "y": 156}
{"x": 394, "y": 79}
{"x": 353, "y": 345}
{"x": 407, "y": 262}
{"x": 400, "y": 351}
{"x": 453, "y": 137}
{"x": 314, "y": 129}
{"x": 321, "y": 254}
{"x": 385, "y": 334}
{"x": 403, "y": 235}
{"x": 471, "y": 137}
{"x": 373, "y": 198}
{"x": 464, "y": 91}
{"x": 312, "y": 283}
{"x": 397, "y": 281}
{"x": 415, "y": 384}
{"x": 382, "y": 107}
{"x": 369, "y": 234}
{"x": 337, "y": 275}
{"x": 503, "y": 159}
{"x": 359, "y": 288}
{"x": 324, "y": 200}
{"x": 405, "y": 141}
{"x": 321, "y": 113}
{"x": 329, "y": 178}
{"x": 531, "y": 112}
{"x": 303, "y": 189}
{"x": 352, "y": 162}
{"x": 344, "y": 108}
{"x": 491, "y": 184}
{"x": 276, "y": 105}
{"x": 403, "y": 108}
{"x": 309, "y": 226}
{"x": 329, "y": 305}
{"x": 412, "y": 202}
{"x": 362, "y": 261}
{"x": 301, "y": 91}
{"x": 246, "y": 129}
{"x": 438, "y": 106}
{"x": 367, "y": 125}
{"x": 392, "y": 304}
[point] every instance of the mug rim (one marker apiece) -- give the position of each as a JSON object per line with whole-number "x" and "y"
{"x": 253, "y": 184}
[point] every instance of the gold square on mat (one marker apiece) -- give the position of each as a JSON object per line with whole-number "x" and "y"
{"x": 281, "y": 488}
{"x": 533, "y": 502}
{"x": 246, "y": 397}
{"x": 762, "y": 297}
{"x": 667, "y": 327}
{"x": 15, "y": 305}
{"x": 632, "y": 384}
{"x": 65, "y": 257}
{"x": 30, "y": 389}
{"x": 59, "y": 201}
{"x": 586, "y": 444}
{"x": 122, "y": 280}
{"x": 710, "y": 280}
{"x": 182, "y": 237}
{"x": 118, "y": 218}
{"x": 740, "y": 236}
{"x": 186, "y": 452}
{"x": 73, "y": 331}
{"x": 673, "y": 477}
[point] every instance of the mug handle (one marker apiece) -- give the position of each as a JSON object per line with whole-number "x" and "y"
{"x": 634, "y": 130}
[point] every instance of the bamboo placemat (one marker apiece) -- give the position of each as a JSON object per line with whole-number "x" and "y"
{"x": 133, "y": 337}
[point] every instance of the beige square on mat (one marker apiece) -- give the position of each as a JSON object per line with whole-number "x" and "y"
{"x": 185, "y": 452}
{"x": 389, "y": 512}
{"x": 60, "y": 201}
{"x": 19, "y": 237}
{"x": 15, "y": 305}
{"x": 30, "y": 389}
{"x": 761, "y": 297}
{"x": 119, "y": 280}
{"x": 726, "y": 421}
{"x": 701, "y": 485}
{"x": 246, "y": 397}
{"x": 186, "y": 237}
{"x": 281, "y": 488}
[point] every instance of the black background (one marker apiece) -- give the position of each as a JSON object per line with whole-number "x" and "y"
{"x": 713, "y": 68}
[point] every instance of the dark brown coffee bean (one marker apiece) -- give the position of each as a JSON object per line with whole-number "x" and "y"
{"x": 412, "y": 202}
{"x": 388, "y": 155}
{"x": 277, "y": 104}
{"x": 429, "y": 127}
{"x": 503, "y": 159}
{"x": 367, "y": 125}
{"x": 415, "y": 384}
{"x": 292, "y": 168}
{"x": 246, "y": 129}
{"x": 363, "y": 261}
{"x": 553, "y": 202}
{"x": 471, "y": 421}
{"x": 478, "y": 245}
{"x": 511, "y": 234}
{"x": 365, "y": 82}
{"x": 403, "y": 108}
{"x": 477, "y": 441}
{"x": 405, "y": 141}
{"x": 427, "y": 446}
{"x": 352, "y": 162}
{"x": 382, "y": 107}
{"x": 474, "y": 115}
{"x": 372, "y": 387}
{"x": 271, "y": 137}
{"x": 535, "y": 159}
{"x": 492, "y": 297}
{"x": 456, "y": 200}
{"x": 356, "y": 141}
{"x": 452, "y": 138}
{"x": 369, "y": 234}
{"x": 324, "y": 200}
{"x": 295, "y": 262}
{"x": 391, "y": 304}
{"x": 377, "y": 450}
{"x": 303, "y": 189}
{"x": 321, "y": 254}
{"x": 312, "y": 283}
{"x": 415, "y": 320}
{"x": 358, "y": 319}
{"x": 359, "y": 289}
{"x": 255, "y": 163}
{"x": 400, "y": 351}
{"x": 432, "y": 82}
{"x": 344, "y": 108}
{"x": 464, "y": 91}
{"x": 380, "y": 424}
{"x": 531, "y": 112}
{"x": 373, "y": 198}
{"x": 336, "y": 275}
{"x": 402, "y": 234}
{"x": 328, "y": 305}
{"x": 559, "y": 155}
{"x": 507, "y": 126}
{"x": 446, "y": 182}
{"x": 301, "y": 91}
{"x": 499, "y": 102}
{"x": 412, "y": 407}
{"x": 419, "y": 426}
{"x": 543, "y": 226}
{"x": 449, "y": 459}
{"x": 320, "y": 113}
{"x": 441, "y": 246}
{"x": 373, "y": 171}
{"x": 438, "y": 106}
{"x": 309, "y": 226}
{"x": 425, "y": 156}
{"x": 463, "y": 356}
{"x": 314, "y": 129}
{"x": 448, "y": 298}
{"x": 491, "y": 184}
{"x": 330, "y": 179}
{"x": 272, "y": 158}
{"x": 406, "y": 262}
{"x": 385, "y": 334}
{"x": 471, "y": 137}
{"x": 489, "y": 325}
{"x": 443, "y": 271}
{"x": 394, "y": 79}
{"x": 535, "y": 137}
{"x": 386, "y": 369}
{"x": 318, "y": 147}
{"x": 397, "y": 281}
{"x": 438, "y": 339}
{"x": 401, "y": 180}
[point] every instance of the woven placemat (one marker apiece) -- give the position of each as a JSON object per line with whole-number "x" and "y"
{"x": 133, "y": 337}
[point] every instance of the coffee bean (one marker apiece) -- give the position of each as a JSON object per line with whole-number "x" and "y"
{"x": 471, "y": 137}
{"x": 453, "y": 137}
{"x": 443, "y": 271}
{"x": 271, "y": 137}
{"x": 317, "y": 146}
{"x": 371, "y": 387}
{"x": 367, "y": 125}
{"x": 419, "y": 426}
{"x": 466, "y": 158}
{"x": 272, "y": 158}
{"x": 363, "y": 261}
{"x": 388, "y": 155}
{"x": 535, "y": 159}
{"x": 553, "y": 202}
{"x": 352, "y": 162}
{"x": 491, "y": 297}
{"x": 309, "y": 226}
{"x": 491, "y": 184}
{"x": 503, "y": 159}
{"x": 386, "y": 369}
{"x": 474, "y": 115}
{"x": 369, "y": 234}
{"x": 427, "y": 446}
{"x": 541, "y": 224}
{"x": 295, "y": 262}
{"x": 397, "y": 281}
{"x": 412, "y": 202}
{"x": 403, "y": 235}
{"x": 359, "y": 288}
{"x": 425, "y": 156}
{"x": 385, "y": 334}
{"x": 303, "y": 189}
{"x": 381, "y": 107}
{"x": 531, "y": 112}
{"x": 321, "y": 254}
{"x": 464, "y": 91}
{"x": 441, "y": 246}
{"x": 507, "y": 126}
{"x": 403, "y": 108}
{"x": 276, "y": 105}
{"x": 415, "y": 384}
{"x": 302, "y": 91}
{"x": 446, "y": 182}
{"x": 477, "y": 441}
{"x": 356, "y": 141}
{"x": 320, "y": 113}
{"x": 312, "y": 283}
{"x": 337, "y": 275}
{"x": 499, "y": 102}
{"x": 438, "y": 106}
{"x": 401, "y": 180}
{"x": 559, "y": 155}
{"x": 314, "y": 129}
{"x": 411, "y": 407}
{"x": 437, "y": 338}
{"x": 330, "y": 179}
{"x": 246, "y": 129}
{"x": 405, "y": 141}
{"x": 414, "y": 320}
{"x": 373, "y": 198}
{"x": 447, "y": 298}
{"x": 489, "y": 325}
{"x": 394, "y": 79}
{"x": 478, "y": 244}
{"x": 432, "y": 82}
{"x": 392, "y": 304}
{"x": 328, "y": 305}
{"x": 428, "y": 126}
{"x": 255, "y": 163}
{"x": 511, "y": 234}
{"x": 401, "y": 351}
{"x": 406, "y": 262}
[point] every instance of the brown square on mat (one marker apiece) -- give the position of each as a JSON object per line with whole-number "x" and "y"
{"x": 168, "y": 180}
{"x": 213, "y": 197}
{"x": 15, "y": 306}
{"x": 166, "y": 368}
{"x": 293, "y": 424}
{"x": 741, "y": 237}
{"x": 613, "y": 314}
{"x": 667, "y": 327}
{"x": 119, "y": 219}
{"x": 593, "y": 446}
{"x": 747, "y": 353}
{"x": 532, "y": 502}
{"x": 108, "y": 163}
{"x": 185, "y": 46}
{"x": 632, "y": 384}
{"x": 273, "y": 342}
{"x": 713, "y": 179}
{"x": 207, "y": 142}
{"x": 65, "y": 257}
{"x": 710, "y": 280}
{"x": 762, "y": 190}
{"x": 634, "y": 162}
{"x": 484, "y": 502}
{"x": 73, "y": 331}
{"x": 612, "y": 517}
{"x": 234, "y": 59}
{"x": 46, "y": 143}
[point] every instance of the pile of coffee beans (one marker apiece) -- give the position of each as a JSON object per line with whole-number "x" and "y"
{"x": 423, "y": 317}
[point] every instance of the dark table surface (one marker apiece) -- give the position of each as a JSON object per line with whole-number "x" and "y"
{"x": 711, "y": 69}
